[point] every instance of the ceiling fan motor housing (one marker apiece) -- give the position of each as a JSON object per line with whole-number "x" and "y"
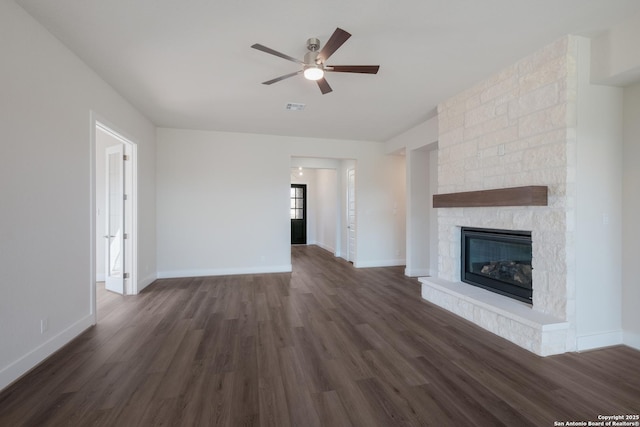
{"x": 313, "y": 44}
{"x": 310, "y": 58}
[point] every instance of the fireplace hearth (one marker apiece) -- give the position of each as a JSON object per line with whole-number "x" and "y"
{"x": 498, "y": 260}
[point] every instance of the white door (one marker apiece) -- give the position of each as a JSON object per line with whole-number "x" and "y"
{"x": 351, "y": 214}
{"x": 114, "y": 227}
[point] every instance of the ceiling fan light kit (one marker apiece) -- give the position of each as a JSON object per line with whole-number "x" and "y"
{"x": 313, "y": 72}
{"x": 313, "y": 66}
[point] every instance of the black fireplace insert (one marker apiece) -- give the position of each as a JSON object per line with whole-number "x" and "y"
{"x": 499, "y": 261}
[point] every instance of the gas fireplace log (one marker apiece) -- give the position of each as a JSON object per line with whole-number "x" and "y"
{"x": 508, "y": 271}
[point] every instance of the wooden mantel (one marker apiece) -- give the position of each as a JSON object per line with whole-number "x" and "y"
{"x": 533, "y": 195}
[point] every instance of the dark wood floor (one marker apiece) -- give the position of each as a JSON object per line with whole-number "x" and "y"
{"x": 325, "y": 345}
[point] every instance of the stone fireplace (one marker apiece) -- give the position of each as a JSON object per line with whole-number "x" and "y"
{"x": 516, "y": 128}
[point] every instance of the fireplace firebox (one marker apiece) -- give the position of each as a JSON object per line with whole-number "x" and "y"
{"x": 499, "y": 261}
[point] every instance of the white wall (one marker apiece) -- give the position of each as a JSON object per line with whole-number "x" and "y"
{"x": 615, "y": 55}
{"x": 419, "y": 207}
{"x": 397, "y": 169}
{"x": 327, "y": 208}
{"x": 47, "y": 212}
{"x": 630, "y": 215}
{"x": 598, "y": 209}
{"x": 420, "y": 147}
{"x": 223, "y": 204}
{"x": 615, "y": 59}
{"x": 418, "y": 136}
{"x": 422, "y": 219}
{"x": 215, "y": 218}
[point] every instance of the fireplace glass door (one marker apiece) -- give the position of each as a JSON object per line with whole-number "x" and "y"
{"x": 499, "y": 261}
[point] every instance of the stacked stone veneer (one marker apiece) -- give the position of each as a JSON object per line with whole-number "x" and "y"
{"x": 516, "y": 128}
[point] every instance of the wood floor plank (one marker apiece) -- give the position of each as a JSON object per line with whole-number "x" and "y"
{"x": 175, "y": 376}
{"x": 331, "y": 410}
{"x": 327, "y": 344}
{"x": 360, "y": 410}
{"x": 315, "y": 372}
{"x": 274, "y": 411}
{"x": 386, "y": 405}
{"x": 301, "y": 408}
{"x": 245, "y": 409}
{"x": 267, "y": 351}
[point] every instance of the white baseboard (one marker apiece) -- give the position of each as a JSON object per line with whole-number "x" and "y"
{"x": 631, "y": 339}
{"x": 417, "y": 272}
{"x": 100, "y": 277}
{"x": 174, "y": 274}
{"x": 603, "y": 339}
{"x": 380, "y": 263}
{"x": 24, "y": 364}
{"x": 326, "y": 247}
{"x": 143, "y": 283}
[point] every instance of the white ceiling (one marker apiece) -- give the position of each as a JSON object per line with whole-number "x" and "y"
{"x": 188, "y": 63}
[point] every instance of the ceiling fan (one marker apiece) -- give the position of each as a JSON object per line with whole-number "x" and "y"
{"x": 314, "y": 66}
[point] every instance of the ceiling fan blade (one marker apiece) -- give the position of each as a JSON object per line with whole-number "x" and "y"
{"x": 365, "y": 69}
{"x": 276, "y": 53}
{"x": 336, "y": 40}
{"x": 324, "y": 86}
{"x": 277, "y": 79}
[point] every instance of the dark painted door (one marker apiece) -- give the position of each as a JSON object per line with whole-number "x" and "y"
{"x": 298, "y": 214}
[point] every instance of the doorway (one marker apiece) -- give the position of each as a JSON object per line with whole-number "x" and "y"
{"x": 114, "y": 176}
{"x": 326, "y": 202}
{"x": 298, "y": 209}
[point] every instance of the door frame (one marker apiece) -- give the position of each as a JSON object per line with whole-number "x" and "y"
{"x": 340, "y": 165}
{"x": 131, "y": 172}
{"x": 351, "y": 248}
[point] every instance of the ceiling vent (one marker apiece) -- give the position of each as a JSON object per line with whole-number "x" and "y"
{"x": 294, "y": 106}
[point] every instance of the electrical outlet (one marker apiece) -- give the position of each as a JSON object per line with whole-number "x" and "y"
{"x": 44, "y": 325}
